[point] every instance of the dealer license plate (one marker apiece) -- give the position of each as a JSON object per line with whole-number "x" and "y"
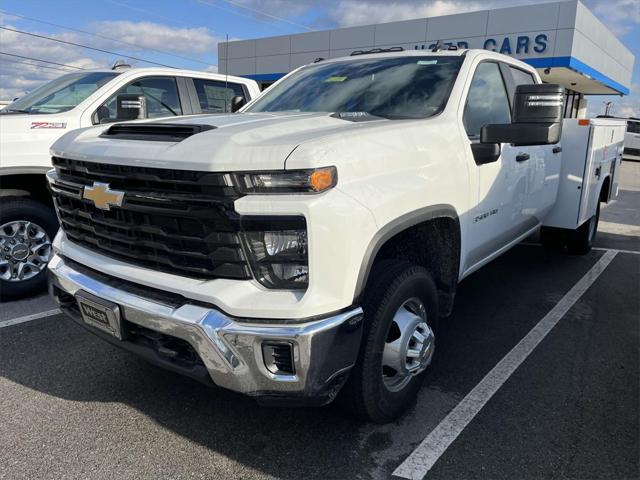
{"x": 99, "y": 313}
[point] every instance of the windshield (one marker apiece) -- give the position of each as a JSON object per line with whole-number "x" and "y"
{"x": 398, "y": 87}
{"x": 61, "y": 94}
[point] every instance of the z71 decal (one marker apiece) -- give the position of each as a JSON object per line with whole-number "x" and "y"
{"x": 36, "y": 125}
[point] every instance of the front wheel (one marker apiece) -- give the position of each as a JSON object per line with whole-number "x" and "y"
{"x": 400, "y": 309}
{"x": 27, "y": 228}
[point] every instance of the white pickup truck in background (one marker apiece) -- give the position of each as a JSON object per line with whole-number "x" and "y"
{"x": 30, "y": 125}
{"x": 308, "y": 245}
{"x": 632, "y": 140}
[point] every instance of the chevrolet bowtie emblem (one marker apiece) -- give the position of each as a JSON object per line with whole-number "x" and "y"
{"x": 102, "y": 196}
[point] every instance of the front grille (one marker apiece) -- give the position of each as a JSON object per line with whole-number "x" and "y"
{"x": 177, "y": 221}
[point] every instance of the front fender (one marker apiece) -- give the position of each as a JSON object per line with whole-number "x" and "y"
{"x": 393, "y": 228}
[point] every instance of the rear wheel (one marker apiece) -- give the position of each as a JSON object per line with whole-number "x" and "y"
{"x": 580, "y": 241}
{"x": 27, "y": 228}
{"x": 553, "y": 238}
{"x": 400, "y": 308}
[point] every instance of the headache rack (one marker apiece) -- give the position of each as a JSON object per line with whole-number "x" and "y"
{"x": 159, "y": 132}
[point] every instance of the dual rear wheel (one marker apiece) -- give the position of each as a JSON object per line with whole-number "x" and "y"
{"x": 578, "y": 242}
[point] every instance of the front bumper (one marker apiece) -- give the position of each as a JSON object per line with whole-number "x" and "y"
{"x": 229, "y": 350}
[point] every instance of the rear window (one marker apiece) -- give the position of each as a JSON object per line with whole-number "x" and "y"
{"x": 633, "y": 127}
{"x": 215, "y": 96}
{"x": 520, "y": 77}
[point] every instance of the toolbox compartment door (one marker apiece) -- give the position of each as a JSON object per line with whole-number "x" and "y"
{"x": 590, "y": 152}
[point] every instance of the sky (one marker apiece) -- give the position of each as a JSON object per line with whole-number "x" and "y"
{"x": 185, "y": 33}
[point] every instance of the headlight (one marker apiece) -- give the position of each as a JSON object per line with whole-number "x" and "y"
{"x": 287, "y": 181}
{"x": 278, "y": 251}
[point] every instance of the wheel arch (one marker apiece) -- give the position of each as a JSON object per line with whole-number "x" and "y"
{"x": 605, "y": 190}
{"x": 33, "y": 185}
{"x": 435, "y": 227}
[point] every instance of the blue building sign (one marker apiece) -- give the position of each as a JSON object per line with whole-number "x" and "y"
{"x": 520, "y": 45}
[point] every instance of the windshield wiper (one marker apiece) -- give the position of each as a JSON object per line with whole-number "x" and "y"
{"x": 14, "y": 110}
{"x": 358, "y": 116}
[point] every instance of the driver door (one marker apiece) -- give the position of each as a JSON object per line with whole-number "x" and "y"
{"x": 499, "y": 215}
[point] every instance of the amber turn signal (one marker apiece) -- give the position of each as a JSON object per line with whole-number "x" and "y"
{"x": 322, "y": 179}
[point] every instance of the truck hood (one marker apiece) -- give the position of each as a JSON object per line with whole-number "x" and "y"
{"x": 25, "y": 139}
{"x": 245, "y": 141}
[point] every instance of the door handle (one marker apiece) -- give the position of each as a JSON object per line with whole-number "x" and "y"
{"x": 521, "y": 157}
{"x": 556, "y": 149}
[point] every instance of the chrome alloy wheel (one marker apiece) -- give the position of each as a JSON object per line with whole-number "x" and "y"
{"x": 409, "y": 345}
{"x": 25, "y": 250}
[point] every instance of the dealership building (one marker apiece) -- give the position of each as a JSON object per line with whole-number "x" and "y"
{"x": 564, "y": 41}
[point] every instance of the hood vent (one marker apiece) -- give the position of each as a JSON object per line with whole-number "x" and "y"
{"x": 154, "y": 132}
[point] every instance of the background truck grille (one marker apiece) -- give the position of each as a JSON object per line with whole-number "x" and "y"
{"x": 181, "y": 222}
{"x": 632, "y": 151}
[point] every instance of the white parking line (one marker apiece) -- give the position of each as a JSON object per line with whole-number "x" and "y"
{"x": 28, "y": 318}
{"x": 421, "y": 460}
{"x": 599, "y": 249}
{"x": 617, "y": 250}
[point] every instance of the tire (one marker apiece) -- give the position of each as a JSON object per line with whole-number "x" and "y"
{"x": 369, "y": 394}
{"x": 580, "y": 241}
{"x": 36, "y": 236}
{"x": 553, "y": 239}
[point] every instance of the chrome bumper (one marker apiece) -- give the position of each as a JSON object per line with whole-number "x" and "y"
{"x": 324, "y": 350}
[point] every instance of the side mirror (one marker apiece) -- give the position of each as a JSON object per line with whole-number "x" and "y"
{"x": 537, "y": 117}
{"x": 237, "y": 103}
{"x": 102, "y": 114}
{"x": 485, "y": 152}
{"x": 130, "y": 106}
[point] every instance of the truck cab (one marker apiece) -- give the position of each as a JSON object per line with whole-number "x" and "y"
{"x": 310, "y": 245}
{"x": 31, "y": 124}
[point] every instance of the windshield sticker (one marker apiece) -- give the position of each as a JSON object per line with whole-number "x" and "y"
{"x": 35, "y": 125}
{"x": 335, "y": 79}
{"x": 427, "y": 62}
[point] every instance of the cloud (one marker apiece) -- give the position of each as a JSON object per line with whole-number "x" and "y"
{"x": 150, "y": 36}
{"x": 355, "y": 12}
{"x": 347, "y": 13}
{"x": 621, "y": 16}
{"x": 16, "y": 77}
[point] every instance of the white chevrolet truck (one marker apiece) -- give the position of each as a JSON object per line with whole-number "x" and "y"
{"x": 30, "y": 125}
{"x": 306, "y": 247}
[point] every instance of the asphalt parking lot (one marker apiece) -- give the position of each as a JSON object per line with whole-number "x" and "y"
{"x": 536, "y": 376}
